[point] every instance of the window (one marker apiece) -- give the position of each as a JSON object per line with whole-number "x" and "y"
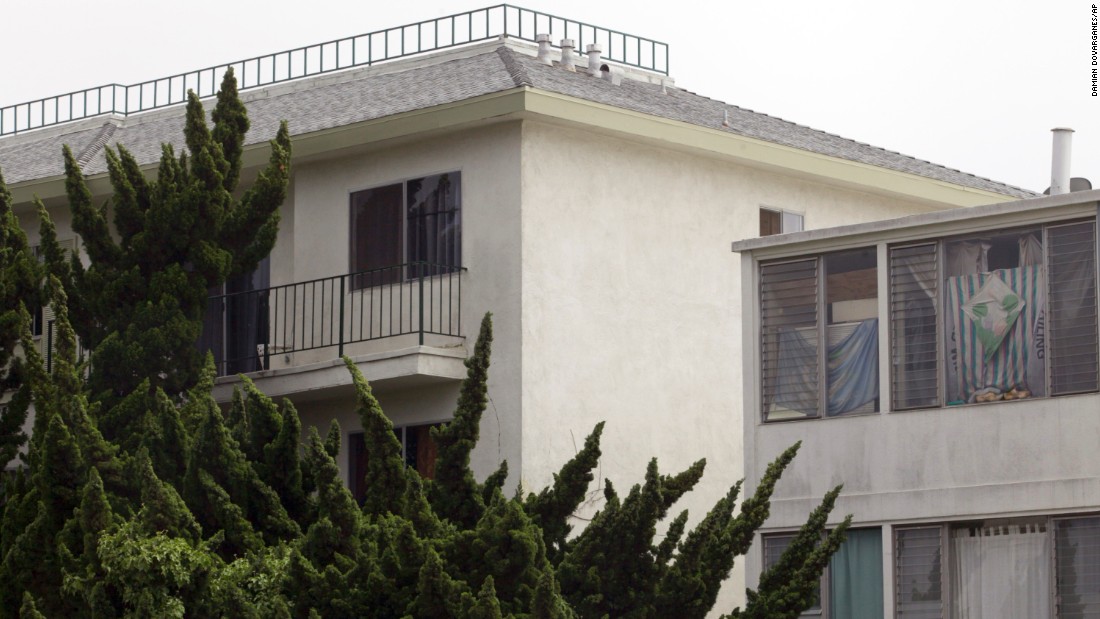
{"x": 853, "y": 581}
{"x": 774, "y": 221}
{"x": 918, "y": 585}
{"x": 417, "y": 447}
{"x": 406, "y": 230}
{"x": 999, "y": 568}
{"x": 1077, "y": 567}
{"x": 819, "y": 326}
{"x": 1003, "y": 315}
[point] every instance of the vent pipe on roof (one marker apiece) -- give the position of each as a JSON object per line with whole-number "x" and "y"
{"x": 1059, "y": 166}
{"x": 594, "y": 50}
{"x": 567, "y": 55}
{"x": 544, "y": 49}
{"x": 611, "y": 74}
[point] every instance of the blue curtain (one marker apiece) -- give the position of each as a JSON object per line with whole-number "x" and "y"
{"x": 853, "y": 369}
{"x": 855, "y": 576}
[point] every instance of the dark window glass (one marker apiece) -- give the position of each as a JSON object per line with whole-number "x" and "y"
{"x": 376, "y": 235}
{"x": 434, "y": 221}
{"x": 769, "y": 222}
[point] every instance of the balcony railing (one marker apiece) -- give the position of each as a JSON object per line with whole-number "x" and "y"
{"x": 260, "y": 329}
{"x": 361, "y": 50}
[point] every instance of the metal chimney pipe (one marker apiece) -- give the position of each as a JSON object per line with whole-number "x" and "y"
{"x": 544, "y": 49}
{"x": 1060, "y": 160}
{"x": 594, "y": 51}
{"x": 567, "y": 55}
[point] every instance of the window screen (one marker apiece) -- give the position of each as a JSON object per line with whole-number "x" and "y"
{"x": 918, "y": 587}
{"x": 1071, "y": 318}
{"x": 1077, "y": 567}
{"x": 914, "y": 341}
{"x": 789, "y": 339}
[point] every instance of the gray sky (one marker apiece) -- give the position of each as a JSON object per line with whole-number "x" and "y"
{"x": 971, "y": 84}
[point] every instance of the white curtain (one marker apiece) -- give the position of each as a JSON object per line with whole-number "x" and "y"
{"x": 1001, "y": 572}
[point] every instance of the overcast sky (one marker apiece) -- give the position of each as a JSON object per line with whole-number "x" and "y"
{"x": 971, "y": 84}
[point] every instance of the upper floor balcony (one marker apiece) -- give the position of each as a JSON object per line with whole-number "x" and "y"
{"x": 401, "y": 324}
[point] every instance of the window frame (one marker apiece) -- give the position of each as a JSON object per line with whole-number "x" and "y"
{"x": 825, "y": 582}
{"x": 885, "y": 313}
{"x": 783, "y": 214}
{"x": 405, "y": 271}
{"x": 1050, "y": 521}
{"x": 942, "y": 343}
{"x": 821, "y": 327}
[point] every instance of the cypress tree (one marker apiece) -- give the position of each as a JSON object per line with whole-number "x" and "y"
{"x": 28, "y": 610}
{"x": 551, "y": 508}
{"x": 385, "y": 481}
{"x": 454, "y": 493}
{"x": 486, "y": 606}
{"x": 142, "y": 297}
{"x": 19, "y": 284}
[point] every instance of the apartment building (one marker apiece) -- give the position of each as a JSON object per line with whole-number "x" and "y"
{"x": 584, "y": 199}
{"x": 944, "y": 368}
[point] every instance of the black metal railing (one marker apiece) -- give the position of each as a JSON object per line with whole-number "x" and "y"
{"x": 247, "y": 330}
{"x": 360, "y": 50}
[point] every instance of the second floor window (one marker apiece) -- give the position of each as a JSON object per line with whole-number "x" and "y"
{"x": 406, "y": 230}
{"x": 819, "y": 327}
{"x": 1002, "y": 315}
{"x": 996, "y": 315}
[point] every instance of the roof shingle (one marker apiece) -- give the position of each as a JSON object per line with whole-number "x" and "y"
{"x": 369, "y": 95}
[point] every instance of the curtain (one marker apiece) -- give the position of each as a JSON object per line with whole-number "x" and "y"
{"x": 853, "y": 369}
{"x": 855, "y": 576}
{"x": 1001, "y": 572}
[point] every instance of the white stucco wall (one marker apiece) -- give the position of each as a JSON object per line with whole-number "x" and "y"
{"x": 631, "y": 304}
{"x": 318, "y": 237}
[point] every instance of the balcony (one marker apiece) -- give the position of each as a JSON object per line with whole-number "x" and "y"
{"x": 401, "y": 324}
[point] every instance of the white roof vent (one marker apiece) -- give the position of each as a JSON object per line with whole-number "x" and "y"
{"x": 567, "y": 55}
{"x": 544, "y": 49}
{"x": 594, "y": 51}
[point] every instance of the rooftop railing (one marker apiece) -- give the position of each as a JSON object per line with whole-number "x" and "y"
{"x": 361, "y": 50}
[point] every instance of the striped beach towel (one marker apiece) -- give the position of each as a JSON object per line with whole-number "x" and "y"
{"x": 1016, "y": 362}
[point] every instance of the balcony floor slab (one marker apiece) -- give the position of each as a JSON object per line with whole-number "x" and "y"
{"x": 393, "y": 369}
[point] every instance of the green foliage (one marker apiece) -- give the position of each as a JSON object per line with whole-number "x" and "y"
{"x": 142, "y": 297}
{"x": 20, "y": 276}
{"x": 142, "y": 499}
{"x": 455, "y": 494}
{"x": 551, "y": 508}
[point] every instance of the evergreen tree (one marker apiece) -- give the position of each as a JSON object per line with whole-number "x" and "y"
{"x": 19, "y": 285}
{"x": 141, "y": 298}
{"x": 455, "y": 495}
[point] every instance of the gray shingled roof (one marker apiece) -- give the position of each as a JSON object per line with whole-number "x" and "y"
{"x": 369, "y": 96}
